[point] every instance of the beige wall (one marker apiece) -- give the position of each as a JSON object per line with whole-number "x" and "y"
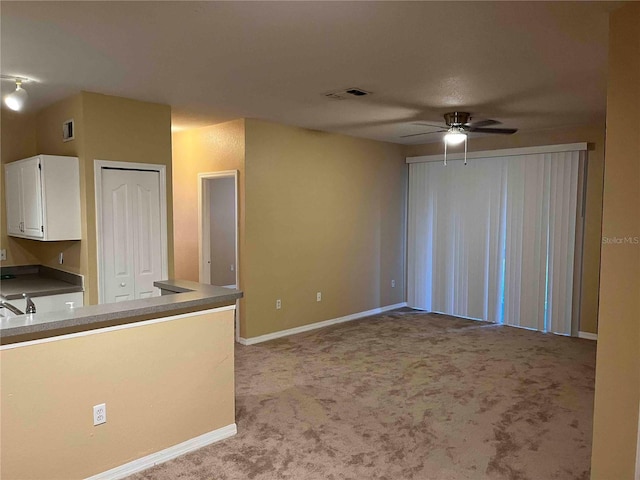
{"x": 122, "y": 130}
{"x": 17, "y": 140}
{"x": 138, "y": 372}
{"x": 618, "y": 357}
{"x": 30, "y": 135}
{"x": 210, "y": 149}
{"x": 324, "y": 213}
{"x": 49, "y": 140}
{"x": 106, "y": 128}
{"x": 594, "y": 135}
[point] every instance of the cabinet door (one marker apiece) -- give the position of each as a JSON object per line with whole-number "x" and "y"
{"x": 31, "y": 196}
{"x": 14, "y": 202}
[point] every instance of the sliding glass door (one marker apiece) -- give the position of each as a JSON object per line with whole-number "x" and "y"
{"x": 495, "y": 239}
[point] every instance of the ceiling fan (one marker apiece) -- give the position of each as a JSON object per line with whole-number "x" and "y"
{"x": 458, "y": 127}
{"x": 460, "y": 123}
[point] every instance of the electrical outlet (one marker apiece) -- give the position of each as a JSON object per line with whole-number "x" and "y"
{"x": 99, "y": 414}
{"x": 3, "y": 254}
{"x": 233, "y": 267}
{"x": 278, "y": 304}
{"x": 318, "y": 296}
{"x": 393, "y": 284}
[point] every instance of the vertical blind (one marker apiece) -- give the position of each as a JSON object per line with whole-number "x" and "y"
{"x": 494, "y": 240}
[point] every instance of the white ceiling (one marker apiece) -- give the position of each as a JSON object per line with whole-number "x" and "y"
{"x": 530, "y": 65}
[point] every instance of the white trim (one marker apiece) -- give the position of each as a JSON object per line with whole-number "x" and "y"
{"x": 170, "y": 453}
{"x": 314, "y": 326}
{"x": 588, "y": 335}
{"x": 124, "y": 326}
{"x": 505, "y": 152}
{"x": 98, "y": 165}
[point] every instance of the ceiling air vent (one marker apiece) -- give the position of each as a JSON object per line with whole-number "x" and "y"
{"x": 346, "y": 94}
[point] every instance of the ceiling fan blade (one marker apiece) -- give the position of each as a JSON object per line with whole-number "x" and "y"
{"x": 505, "y": 131}
{"x": 423, "y": 133}
{"x": 423, "y": 124}
{"x": 482, "y": 123}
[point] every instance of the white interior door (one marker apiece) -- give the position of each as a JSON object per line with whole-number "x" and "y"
{"x": 131, "y": 234}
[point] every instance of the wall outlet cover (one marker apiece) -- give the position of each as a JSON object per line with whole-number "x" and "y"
{"x": 99, "y": 414}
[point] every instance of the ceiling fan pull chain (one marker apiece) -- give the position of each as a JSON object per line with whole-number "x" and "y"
{"x": 465, "y": 150}
{"x": 445, "y": 154}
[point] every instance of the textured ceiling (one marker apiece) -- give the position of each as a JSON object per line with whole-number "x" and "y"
{"x": 530, "y": 65}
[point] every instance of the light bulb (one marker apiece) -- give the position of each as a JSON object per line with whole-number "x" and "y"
{"x": 16, "y": 100}
{"x": 455, "y": 137}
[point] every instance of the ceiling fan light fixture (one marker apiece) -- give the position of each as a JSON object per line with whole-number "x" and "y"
{"x": 16, "y": 99}
{"x": 455, "y": 136}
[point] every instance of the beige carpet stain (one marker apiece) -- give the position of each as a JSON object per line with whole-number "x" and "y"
{"x": 406, "y": 395}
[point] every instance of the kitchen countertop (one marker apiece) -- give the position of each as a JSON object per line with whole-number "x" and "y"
{"x": 38, "y": 281}
{"x": 184, "y": 295}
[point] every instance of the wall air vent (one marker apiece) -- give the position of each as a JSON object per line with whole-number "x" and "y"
{"x": 68, "y": 131}
{"x": 346, "y": 94}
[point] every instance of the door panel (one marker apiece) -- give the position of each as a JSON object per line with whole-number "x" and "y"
{"x": 31, "y": 198}
{"x": 13, "y": 198}
{"x": 148, "y": 260}
{"x": 117, "y": 234}
{"x": 132, "y": 248}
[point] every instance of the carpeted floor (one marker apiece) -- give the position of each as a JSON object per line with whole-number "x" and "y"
{"x": 406, "y": 395}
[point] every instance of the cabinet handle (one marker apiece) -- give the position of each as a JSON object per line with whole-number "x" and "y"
{"x": 123, "y": 284}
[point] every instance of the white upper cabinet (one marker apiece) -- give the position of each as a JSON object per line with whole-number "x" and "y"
{"x": 43, "y": 198}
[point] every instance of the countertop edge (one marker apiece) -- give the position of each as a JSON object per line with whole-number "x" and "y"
{"x": 186, "y": 295}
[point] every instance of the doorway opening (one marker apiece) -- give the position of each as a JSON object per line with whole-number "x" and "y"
{"x": 218, "y": 194}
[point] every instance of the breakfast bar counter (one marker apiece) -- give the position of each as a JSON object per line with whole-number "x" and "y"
{"x": 159, "y": 372}
{"x": 177, "y": 296}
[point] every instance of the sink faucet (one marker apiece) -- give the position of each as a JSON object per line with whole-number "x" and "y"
{"x": 11, "y": 308}
{"x": 31, "y": 307}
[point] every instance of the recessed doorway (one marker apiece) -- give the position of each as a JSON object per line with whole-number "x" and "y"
{"x": 218, "y": 194}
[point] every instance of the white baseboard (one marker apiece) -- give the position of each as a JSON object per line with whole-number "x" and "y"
{"x": 588, "y": 336}
{"x": 167, "y": 454}
{"x": 314, "y": 326}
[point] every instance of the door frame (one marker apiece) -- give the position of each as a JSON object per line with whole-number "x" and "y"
{"x": 98, "y": 165}
{"x": 204, "y": 223}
